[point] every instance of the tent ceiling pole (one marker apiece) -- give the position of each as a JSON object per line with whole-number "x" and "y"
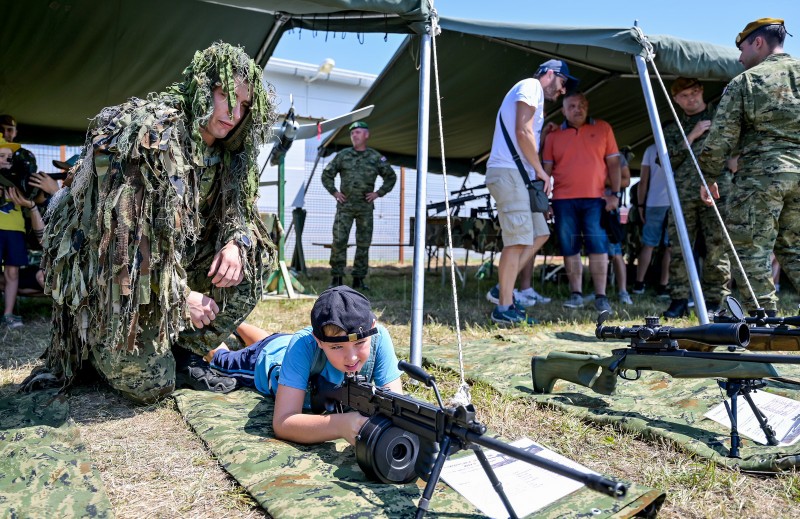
{"x": 280, "y": 21}
{"x": 677, "y": 213}
{"x": 548, "y": 55}
{"x": 420, "y": 213}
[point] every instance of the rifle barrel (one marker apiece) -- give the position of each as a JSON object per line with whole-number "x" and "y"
{"x": 595, "y": 482}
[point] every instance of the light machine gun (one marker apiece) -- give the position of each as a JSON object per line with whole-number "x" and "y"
{"x": 655, "y": 348}
{"x": 466, "y": 194}
{"x": 388, "y": 444}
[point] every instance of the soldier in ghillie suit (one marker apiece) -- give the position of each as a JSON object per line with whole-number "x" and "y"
{"x": 758, "y": 115}
{"x": 157, "y": 243}
{"x": 359, "y": 168}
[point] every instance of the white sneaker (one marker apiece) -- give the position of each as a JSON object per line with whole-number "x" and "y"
{"x": 525, "y": 300}
{"x": 531, "y": 293}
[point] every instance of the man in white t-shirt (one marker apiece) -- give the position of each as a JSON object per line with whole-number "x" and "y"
{"x": 522, "y": 114}
{"x": 653, "y": 210}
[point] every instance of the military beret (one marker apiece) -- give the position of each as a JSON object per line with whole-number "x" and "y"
{"x": 359, "y": 124}
{"x": 752, "y": 26}
{"x": 681, "y": 84}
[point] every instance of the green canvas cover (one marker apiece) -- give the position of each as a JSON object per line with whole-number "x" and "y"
{"x": 78, "y": 56}
{"x": 309, "y": 481}
{"x": 479, "y": 61}
{"x": 655, "y": 406}
{"x": 45, "y": 470}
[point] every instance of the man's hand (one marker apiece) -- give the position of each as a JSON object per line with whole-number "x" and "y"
{"x": 371, "y": 197}
{"x": 704, "y": 196}
{"x": 548, "y": 185}
{"x": 16, "y": 197}
{"x": 202, "y": 309}
{"x": 339, "y": 196}
{"x": 227, "y": 266}
{"x": 612, "y": 202}
{"x": 699, "y": 129}
{"x": 44, "y": 182}
{"x": 641, "y": 215}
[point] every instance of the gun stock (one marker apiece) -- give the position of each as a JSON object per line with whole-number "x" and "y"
{"x": 584, "y": 369}
{"x": 600, "y": 373}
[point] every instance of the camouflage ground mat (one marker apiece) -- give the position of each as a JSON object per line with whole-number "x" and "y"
{"x": 290, "y": 480}
{"x": 45, "y": 470}
{"x": 655, "y": 406}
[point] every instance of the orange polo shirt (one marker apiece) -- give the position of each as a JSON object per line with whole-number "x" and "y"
{"x": 578, "y": 156}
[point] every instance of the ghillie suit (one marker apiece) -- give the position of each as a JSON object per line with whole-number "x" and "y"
{"x": 148, "y": 208}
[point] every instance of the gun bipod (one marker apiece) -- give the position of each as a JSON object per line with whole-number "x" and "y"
{"x": 734, "y": 388}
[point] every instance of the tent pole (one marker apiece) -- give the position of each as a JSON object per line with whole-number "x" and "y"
{"x": 677, "y": 213}
{"x": 420, "y": 213}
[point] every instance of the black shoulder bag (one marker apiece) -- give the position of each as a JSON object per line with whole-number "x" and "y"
{"x": 539, "y": 200}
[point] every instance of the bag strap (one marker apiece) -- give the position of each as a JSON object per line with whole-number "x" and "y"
{"x": 518, "y": 161}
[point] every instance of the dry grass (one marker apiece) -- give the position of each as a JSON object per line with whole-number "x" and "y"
{"x": 153, "y": 465}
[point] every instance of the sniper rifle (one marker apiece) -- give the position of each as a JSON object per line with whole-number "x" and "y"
{"x": 388, "y": 444}
{"x": 655, "y": 348}
{"x": 767, "y": 333}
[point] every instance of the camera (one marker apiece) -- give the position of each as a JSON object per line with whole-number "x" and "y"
{"x": 23, "y": 165}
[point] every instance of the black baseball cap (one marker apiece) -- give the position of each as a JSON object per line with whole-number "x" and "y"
{"x": 344, "y": 307}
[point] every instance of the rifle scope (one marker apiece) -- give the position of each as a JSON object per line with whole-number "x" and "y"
{"x": 722, "y": 334}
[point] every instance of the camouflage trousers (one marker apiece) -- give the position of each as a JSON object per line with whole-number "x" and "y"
{"x": 764, "y": 216}
{"x": 700, "y": 221}
{"x": 342, "y": 223}
{"x": 148, "y": 375}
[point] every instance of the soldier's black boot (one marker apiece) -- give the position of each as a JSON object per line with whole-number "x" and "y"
{"x": 337, "y": 281}
{"x": 358, "y": 284}
{"x": 677, "y": 308}
{"x": 713, "y": 307}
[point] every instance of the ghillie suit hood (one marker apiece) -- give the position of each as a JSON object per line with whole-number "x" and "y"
{"x": 146, "y": 194}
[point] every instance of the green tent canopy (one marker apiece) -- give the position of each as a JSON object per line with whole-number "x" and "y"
{"x": 479, "y": 61}
{"x": 64, "y": 61}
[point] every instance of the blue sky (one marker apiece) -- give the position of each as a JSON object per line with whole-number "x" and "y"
{"x": 697, "y": 20}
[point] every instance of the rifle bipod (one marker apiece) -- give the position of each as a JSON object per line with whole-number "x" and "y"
{"x": 733, "y": 388}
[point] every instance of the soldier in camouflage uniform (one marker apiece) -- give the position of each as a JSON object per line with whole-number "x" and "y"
{"x": 759, "y": 115}
{"x": 359, "y": 168}
{"x": 157, "y": 242}
{"x": 700, "y": 219}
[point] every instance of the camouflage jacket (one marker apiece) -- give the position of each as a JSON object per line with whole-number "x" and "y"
{"x": 759, "y": 114}
{"x": 120, "y": 239}
{"x": 358, "y": 172}
{"x": 682, "y": 164}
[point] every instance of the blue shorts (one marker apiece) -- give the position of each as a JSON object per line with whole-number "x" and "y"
{"x": 614, "y": 249}
{"x": 13, "y": 251}
{"x": 654, "y": 232}
{"x": 241, "y": 364}
{"x": 577, "y": 222}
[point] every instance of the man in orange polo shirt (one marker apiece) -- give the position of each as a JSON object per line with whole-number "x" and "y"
{"x": 580, "y": 156}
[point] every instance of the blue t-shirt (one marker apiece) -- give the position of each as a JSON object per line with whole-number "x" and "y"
{"x": 296, "y": 353}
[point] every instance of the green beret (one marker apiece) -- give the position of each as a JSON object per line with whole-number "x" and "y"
{"x": 359, "y": 124}
{"x": 752, "y": 26}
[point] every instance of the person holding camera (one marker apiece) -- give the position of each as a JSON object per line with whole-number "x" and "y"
{"x": 13, "y": 253}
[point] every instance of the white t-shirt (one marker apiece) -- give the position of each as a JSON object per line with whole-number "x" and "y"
{"x": 528, "y": 91}
{"x": 657, "y": 195}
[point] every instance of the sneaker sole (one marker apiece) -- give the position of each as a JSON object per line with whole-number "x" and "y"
{"x": 492, "y": 299}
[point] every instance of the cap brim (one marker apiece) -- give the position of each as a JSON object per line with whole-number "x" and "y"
{"x": 572, "y": 83}
{"x": 60, "y": 164}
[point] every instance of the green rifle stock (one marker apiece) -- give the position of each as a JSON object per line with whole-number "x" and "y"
{"x": 600, "y": 373}
{"x": 656, "y": 348}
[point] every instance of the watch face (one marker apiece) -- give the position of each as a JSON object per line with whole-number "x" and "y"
{"x": 245, "y": 241}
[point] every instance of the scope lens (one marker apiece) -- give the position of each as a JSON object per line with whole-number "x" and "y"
{"x": 399, "y": 451}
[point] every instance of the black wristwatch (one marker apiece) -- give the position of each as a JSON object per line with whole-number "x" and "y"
{"x": 243, "y": 241}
